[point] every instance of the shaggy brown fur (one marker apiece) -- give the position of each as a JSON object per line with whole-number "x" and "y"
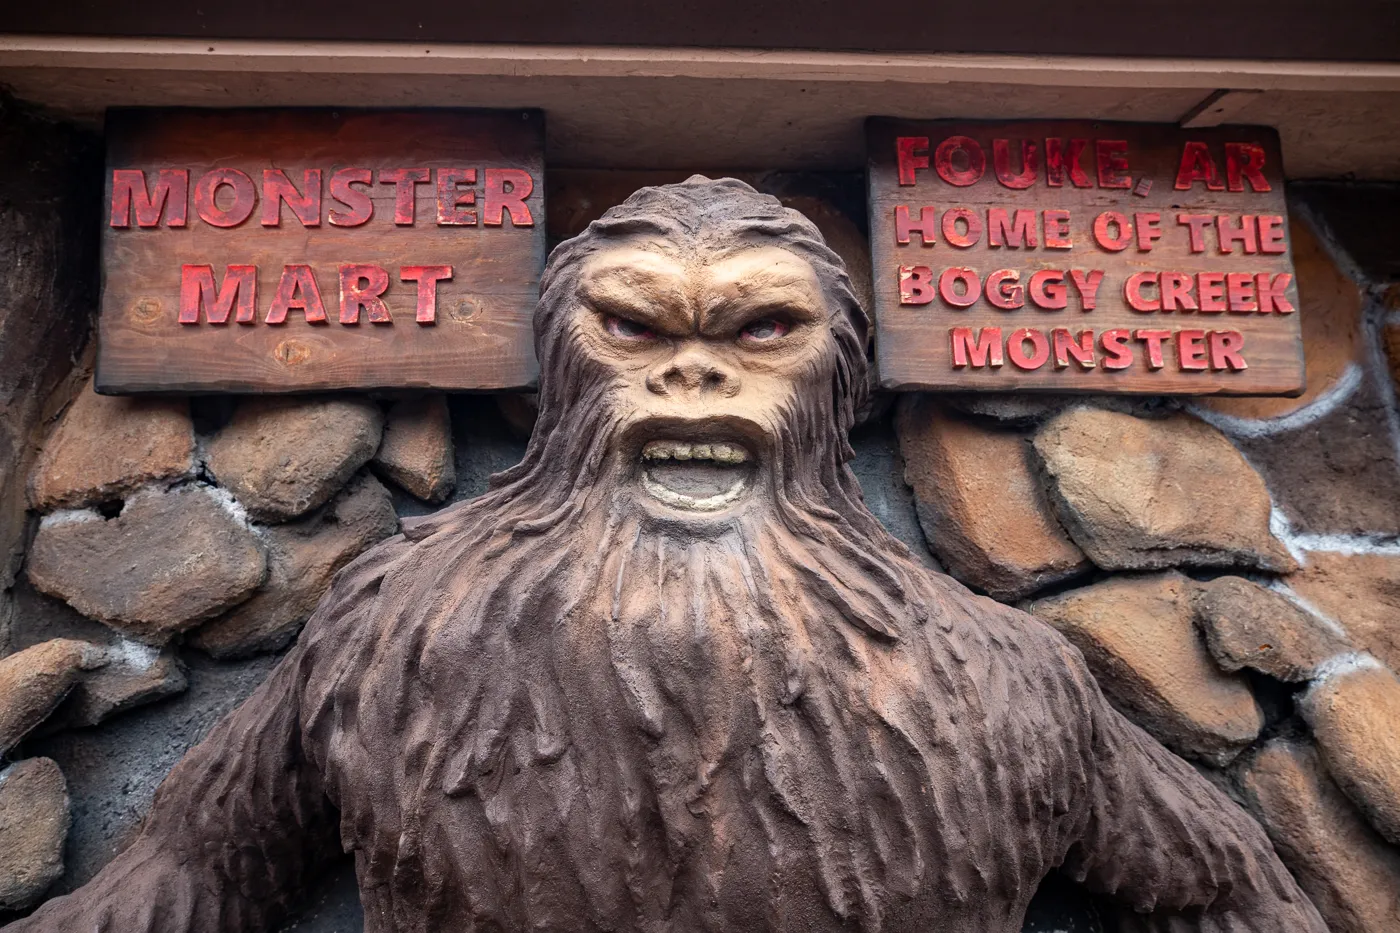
{"x": 549, "y": 709}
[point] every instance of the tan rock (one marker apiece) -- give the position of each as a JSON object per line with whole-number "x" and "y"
{"x": 416, "y": 451}
{"x": 105, "y": 448}
{"x": 170, "y": 560}
{"x": 1135, "y": 493}
{"x": 1361, "y": 592}
{"x": 1354, "y": 711}
{"x": 1390, "y": 341}
{"x": 283, "y": 456}
{"x": 303, "y": 556}
{"x": 981, "y": 506}
{"x": 34, "y": 821}
{"x": 1345, "y": 868}
{"x": 1138, "y": 636}
{"x": 1333, "y": 472}
{"x": 1331, "y": 321}
{"x": 1249, "y": 626}
{"x": 35, "y": 680}
{"x": 134, "y": 675}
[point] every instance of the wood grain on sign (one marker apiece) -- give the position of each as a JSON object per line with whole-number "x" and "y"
{"x": 1076, "y": 256}
{"x": 298, "y": 250}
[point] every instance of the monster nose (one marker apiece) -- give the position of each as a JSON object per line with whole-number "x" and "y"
{"x": 693, "y": 370}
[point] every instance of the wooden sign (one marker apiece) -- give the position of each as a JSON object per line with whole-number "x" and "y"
{"x": 1082, "y": 257}
{"x": 295, "y": 250}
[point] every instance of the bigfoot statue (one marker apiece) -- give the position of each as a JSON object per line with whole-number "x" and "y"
{"x": 669, "y": 674}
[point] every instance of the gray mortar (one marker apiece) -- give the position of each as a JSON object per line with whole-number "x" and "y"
{"x": 113, "y": 770}
{"x": 880, "y": 468}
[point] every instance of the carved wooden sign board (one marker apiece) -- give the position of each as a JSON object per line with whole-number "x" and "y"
{"x": 297, "y": 250}
{"x": 1082, "y": 257}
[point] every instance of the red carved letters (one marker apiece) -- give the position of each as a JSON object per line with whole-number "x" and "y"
{"x": 1225, "y": 347}
{"x": 359, "y": 207}
{"x": 1197, "y": 165}
{"x": 1081, "y": 349}
{"x": 1057, "y": 235}
{"x": 1112, "y": 231}
{"x": 170, "y": 197}
{"x": 984, "y": 351}
{"x": 1016, "y": 349}
{"x": 1245, "y": 162}
{"x": 427, "y": 278}
{"x": 1004, "y": 291}
{"x": 1132, "y": 291}
{"x": 964, "y": 150}
{"x": 915, "y": 285}
{"x": 454, "y": 206}
{"x": 1111, "y": 157}
{"x": 970, "y": 232}
{"x": 305, "y": 204}
{"x": 1048, "y": 291}
{"x": 1005, "y": 231}
{"x": 197, "y": 291}
{"x": 405, "y": 182}
{"x": 1056, "y": 163}
{"x": 238, "y": 204}
{"x": 959, "y": 287}
{"x": 506, "y": 191}
{"x": 361, "y": 287}
{"x": 911, "y": 154}
{"x": 1273, "y": 292}
{"x": 297, "y": 291}
{"x": 1001, "y": 163}
{"x": 926, "y": 225}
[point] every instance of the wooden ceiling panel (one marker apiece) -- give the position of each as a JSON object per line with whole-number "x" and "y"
{"x": 671, "y": 108}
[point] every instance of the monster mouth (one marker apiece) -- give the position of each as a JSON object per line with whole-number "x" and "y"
{"x": 696, "y": 477}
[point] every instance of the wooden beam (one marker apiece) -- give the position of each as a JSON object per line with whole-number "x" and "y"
{"x": 364, "y": 58}
{"x": 1223, "y": 106}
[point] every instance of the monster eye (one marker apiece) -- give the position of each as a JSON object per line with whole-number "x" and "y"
{"x": 767, "y": 328}
{"x": 627, "y": 330}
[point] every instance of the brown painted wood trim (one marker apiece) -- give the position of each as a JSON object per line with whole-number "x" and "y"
{"x": 402, "y": 58}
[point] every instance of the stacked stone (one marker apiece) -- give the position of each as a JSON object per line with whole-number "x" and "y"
{"x": 1244, "y": 617}
{"x": 174, "y": 539}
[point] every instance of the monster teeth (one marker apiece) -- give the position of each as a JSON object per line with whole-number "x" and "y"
{"x": 678, "y": 450}
{"x": 728, "y": 453}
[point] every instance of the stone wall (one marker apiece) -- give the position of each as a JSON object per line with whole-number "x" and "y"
{"x": 49, "y": 179}
{"x": 1230, "y": 568}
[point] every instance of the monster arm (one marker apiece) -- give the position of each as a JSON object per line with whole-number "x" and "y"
{"x": 1163, "y": 840}
{"x": 230, "y": 836}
